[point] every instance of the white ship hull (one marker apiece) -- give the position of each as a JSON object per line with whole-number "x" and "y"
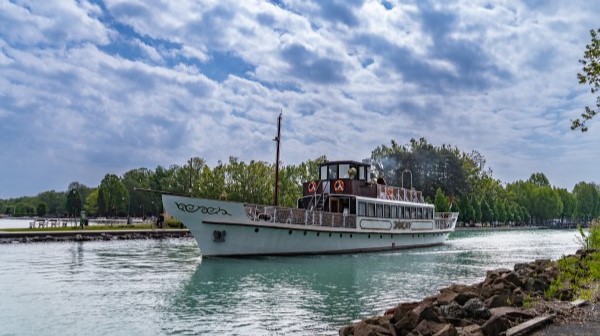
{"x": 234, "y": 229}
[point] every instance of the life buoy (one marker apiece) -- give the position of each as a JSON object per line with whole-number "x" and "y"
{"x": 312, "y": 186}
{"x": 339, "y": 186}
{"x": 390, "y": 193}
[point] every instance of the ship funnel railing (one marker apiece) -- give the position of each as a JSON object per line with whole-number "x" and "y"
{"x": 399, "y": 194}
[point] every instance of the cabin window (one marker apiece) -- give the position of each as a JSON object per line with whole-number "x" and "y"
{"x": 361, "y": 173}
{"x": 368, "y": 175}
{"x": 386, "y": 211}
{"x": 401, "y": 212}
{"x": 371, "y": 209}
{"x": 379, "y": 210}
{"x": 362, "y": 208}
{"x": 420, "y": 213}
{"x": 413, "y": 212}
{"x": 344, "y": 171}
{"x": 333, "y": 172}
{"x": 394, "y": 211}
{"x": 323, "y": 172}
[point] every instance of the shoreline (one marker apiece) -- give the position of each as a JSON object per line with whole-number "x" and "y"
{"x": 508, "y": 302}
{"x": 12, "y": 237}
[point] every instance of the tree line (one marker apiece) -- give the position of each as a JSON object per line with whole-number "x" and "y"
{"x": 449, "y": 178}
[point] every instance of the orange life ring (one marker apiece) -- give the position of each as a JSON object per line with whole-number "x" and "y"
{"x": 312, "y": 186}
{"x": 339, "y": 186}
{"x": 390, "y": 193}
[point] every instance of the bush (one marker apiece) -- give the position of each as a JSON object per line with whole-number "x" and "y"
{"x": 173, "y": 223}
{"x": 577, "y": 277}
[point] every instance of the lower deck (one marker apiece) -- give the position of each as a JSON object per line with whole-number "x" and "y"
{"x": 264, "y": 239}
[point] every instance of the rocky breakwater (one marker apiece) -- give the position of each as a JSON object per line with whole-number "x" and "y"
{"x": 503, "y": 300}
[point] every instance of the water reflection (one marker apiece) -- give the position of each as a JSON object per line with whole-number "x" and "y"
{"x": 162, "y": 287}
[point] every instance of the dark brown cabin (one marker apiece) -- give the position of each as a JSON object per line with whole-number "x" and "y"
{"x": 338, "y": 181}
{"x": 341, "y": 182}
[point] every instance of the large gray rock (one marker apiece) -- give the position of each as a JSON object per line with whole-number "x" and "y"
{"x": 495, "y": 326}
{"x": 375, "y": 326}
{"x": 536, "y": 284}
{"x": 407, "y": 322}
{"x": 470, "y": 330}
{"x": 426, "y": 312}
{"x": 402, "y": 309}
{"x": 504, "y": 300}
{"x": 423, "y": 329}
{"x": 512, "y": 278}
{"x": 447, "y": 330}
{"x": 452, "y": 311}
{"x": 476, "y": 309}
{"x": 511, "y": 313}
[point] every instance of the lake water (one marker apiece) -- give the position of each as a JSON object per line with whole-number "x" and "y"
{"x": 152, "y": 287}
{"x": 14, "y": 223}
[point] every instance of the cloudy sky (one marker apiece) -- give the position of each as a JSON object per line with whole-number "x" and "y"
{"x": 95, "y": 87}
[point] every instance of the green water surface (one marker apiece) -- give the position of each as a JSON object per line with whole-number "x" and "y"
{"x": 150, "y": 287}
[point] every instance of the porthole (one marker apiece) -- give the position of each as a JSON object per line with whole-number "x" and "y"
{"x": 380, "y": 236}
{"x": 340, "y": 235}
{"x": 256, "y": 230}
{"x": 329, "y": 234}
{"x": 305, "y": 233}
{"x": 392, "y": 236}
{"x": 318, "y": 234}
{"x": 290, "y": 232}
{"x": 351, "y": 235}
{"x": 369, "y": 236}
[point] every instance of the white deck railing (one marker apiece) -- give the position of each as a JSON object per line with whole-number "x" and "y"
{"x": 299, "y": 216}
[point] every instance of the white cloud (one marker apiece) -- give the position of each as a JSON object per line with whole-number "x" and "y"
{"x": 209, "y": 78}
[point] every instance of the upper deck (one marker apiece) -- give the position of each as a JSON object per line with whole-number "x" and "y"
{"x": 353, "y": 178}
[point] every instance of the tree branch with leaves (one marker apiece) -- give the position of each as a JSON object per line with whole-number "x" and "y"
{"x": 590, "y": 75}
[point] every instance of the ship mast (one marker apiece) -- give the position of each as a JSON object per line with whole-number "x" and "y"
{"x": 278, "y": 140}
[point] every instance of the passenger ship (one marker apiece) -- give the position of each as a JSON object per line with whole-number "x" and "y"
{"x": 343, "y": 212}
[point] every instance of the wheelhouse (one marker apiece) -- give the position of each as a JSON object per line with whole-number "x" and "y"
{"x": 347, "y": 187}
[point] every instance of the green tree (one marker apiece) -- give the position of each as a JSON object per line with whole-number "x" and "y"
{"x": 466, "y": 213}
{"x": 487, "y": 213}
{"x": 139, "y": 201}
{"x": 55, "y": 200}
{"x": 441, "y": 202}
{"x": 114, "y": 195}
{"x": 569, "y": 204}
{"x": 547, "y": 204}
{"x": 476, "y": 211}
{"x": 515, "y": 211}
{"x": 590, "y": 75}
{"x": 91, "y": 203}
{"x": 587, "y": 201}
{"x": 500, "y": 211}
{"x": 431, "y": 167}
{"x": 23, "y": 209}
{"x": 539, "y": 179}
{"x": 42, "y": 209}
{"x": 73, "y": 203}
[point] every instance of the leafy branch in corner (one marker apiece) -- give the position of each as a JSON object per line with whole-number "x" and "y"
{"x": 590, "y": 75}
